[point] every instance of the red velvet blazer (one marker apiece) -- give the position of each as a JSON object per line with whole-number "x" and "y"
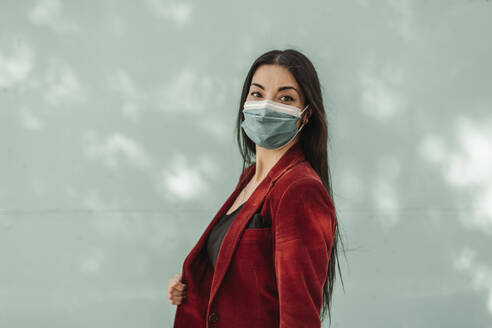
{"x": 265, "y": 277}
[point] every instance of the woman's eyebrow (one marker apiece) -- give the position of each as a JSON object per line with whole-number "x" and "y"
{"x": 279, "y": 89}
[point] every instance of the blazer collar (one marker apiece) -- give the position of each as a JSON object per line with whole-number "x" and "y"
{"x": 291, "y": 157}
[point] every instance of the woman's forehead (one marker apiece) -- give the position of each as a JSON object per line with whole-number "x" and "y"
{"x": 273, "y": 76}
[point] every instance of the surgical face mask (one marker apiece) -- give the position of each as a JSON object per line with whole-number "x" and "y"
{"x": 271, "y": 124}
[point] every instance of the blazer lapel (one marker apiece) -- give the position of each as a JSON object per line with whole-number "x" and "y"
{"x": 291, "y": 157}
{"x": 231, "y": 239}
{"x": 195, "y": 251}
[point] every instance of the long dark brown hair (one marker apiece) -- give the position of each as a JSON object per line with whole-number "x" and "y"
{"x": 313, "y": 138}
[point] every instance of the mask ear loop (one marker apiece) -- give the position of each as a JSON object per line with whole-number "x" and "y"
{"x": 304, "y": 109}
{"x": 302, "y": 125}
{"x": 303, "y": 112}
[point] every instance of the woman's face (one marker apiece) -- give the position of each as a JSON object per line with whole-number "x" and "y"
{"x": 275, "y": 82}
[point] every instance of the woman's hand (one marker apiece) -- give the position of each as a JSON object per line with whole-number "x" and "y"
{"x": 177, "y": 290}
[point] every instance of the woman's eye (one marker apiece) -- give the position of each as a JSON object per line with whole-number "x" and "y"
{"x": 255, "y": 92}
{"x": 289, "y": 98}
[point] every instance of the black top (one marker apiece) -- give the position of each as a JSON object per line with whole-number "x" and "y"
{"x": 217, "y": 234}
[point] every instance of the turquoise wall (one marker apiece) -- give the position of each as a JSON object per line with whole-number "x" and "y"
{"x": 117, "y": 148}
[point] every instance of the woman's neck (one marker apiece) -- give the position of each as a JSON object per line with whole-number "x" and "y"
{"x": 265, "y": 160}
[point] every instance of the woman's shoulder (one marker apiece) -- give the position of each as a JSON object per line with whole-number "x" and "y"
{"x": 300, "y": 177}
{"x": 299, "y": 198}
{"x": 300, "y": 174}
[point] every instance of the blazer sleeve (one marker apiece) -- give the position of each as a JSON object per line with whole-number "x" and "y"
{"x": 303, "y": 226}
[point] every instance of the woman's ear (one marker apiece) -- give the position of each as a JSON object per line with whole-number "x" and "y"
{"x": 307, "y": 115}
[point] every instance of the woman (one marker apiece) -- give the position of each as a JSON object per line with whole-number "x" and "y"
{"x": 267, "y": 259}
